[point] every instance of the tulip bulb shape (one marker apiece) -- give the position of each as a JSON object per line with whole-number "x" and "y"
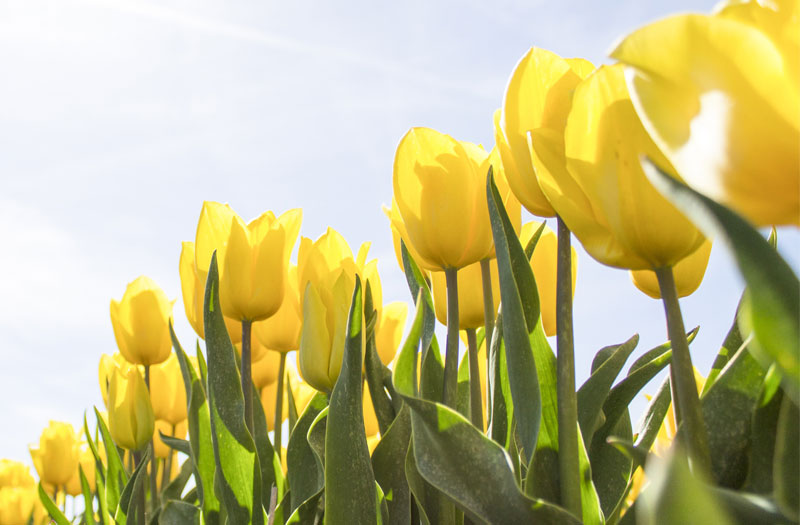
{"x": 688, "y": 274}
{"x": 253, "y": 258}
{"x": 56, "y": 459}
{"x": 130, "y": 414}
{"x": 720, "y": 96}
{"x": 141, "y": 322}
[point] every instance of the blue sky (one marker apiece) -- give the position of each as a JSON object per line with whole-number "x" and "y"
{"x": 119, "y": 117}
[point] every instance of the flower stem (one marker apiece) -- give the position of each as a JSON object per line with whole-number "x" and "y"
{"x": 488, "y": 320}
{"x": 476, "y": 411}
{"x": 569, "y": 469}
{"x": 451, "y": 353}
{"x": 685, "y": 399}
{"x": 165, "y": 476}
{"x": 279, "y": 404}
{"x": 247, "y": 375}
{"x": 153, "y": 464}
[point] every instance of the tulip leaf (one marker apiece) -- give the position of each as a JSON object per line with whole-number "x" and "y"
{"x": 593, "y": 393}
{"x": 728, "y": 410}
{"x": 316, "y": 436}
{"x": 305, "y": 474}
{"x": 772, "y": 303}
{"x": 733, "y": 340}
{"x": 417, "y": 284}
{"x": 499, "y": 389}
{"x": 238, "y": 473}
{"x": 375, "y": 372}
{"x": 592, "y": 513}
{"x": 764, "y": 430}
{"x": 180, "y": 445}
{"x": 750, "y": 508}
{"x": 200, "y": 441}
{"x": 100, "y": 489}
{"x": 292, "y": 404}
{"x": 116, "y": 476}
{"x": 93, "y": 448}
{"x": 786, "y": 469}
{"x": 127, "y": 509}
{"x": 271, "y": 469}
{"x": 88, "y": 498}
{"x": 388, "y": 463}
{"x": 349, "y": 480}
{"x": 51, "y": 508}
{"x": 308, "y": 511}
{"x": 175, "y": 487}
{"x": 201, "y": 366}
{"x": 520, "y": 299}
{"x": 176, "y": 512}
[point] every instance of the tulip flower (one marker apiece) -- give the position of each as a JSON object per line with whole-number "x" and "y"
{"x": 167, "y": 392}
{"x": 281, "y": 332}
{"x": 327, "y": 273}
{"x": 253, "y": 258}
{"x": 720, "y": 95}
{"x": 538, "y": 97}
{"x": 193, "y": 288}
{"x": 130, "y": 414}
{"x": 109, "y": 363}
{"x": 162, "y": 450}
{"x": 87, "y": 463}
{"x": 470, "y": 295}
{"x": 17, "y": 505}
{"x": 389, "y": 330}
{"x": 543, "y": 264}
{"x": 56, "y": 459}
{"x": 265, "y": 369}
{"x": 141, "y": 323}
{"x": 15, "y": 474}
{"x": 688, "y": 274}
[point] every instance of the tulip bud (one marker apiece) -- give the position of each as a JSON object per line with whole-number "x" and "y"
{"x": 141, "y": 322}
{"x": 470, "y": 295}
{"x": 107, "y": 366}
{"x": 130, "y": 414}
{"x": 167, "y": 392}
{"x": 56, "y": 459}
{"x": 193, "y": 288}
{"x": 688, "y": 274}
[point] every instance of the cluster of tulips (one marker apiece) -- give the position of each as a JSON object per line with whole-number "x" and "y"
{"x": 694, "y": 133}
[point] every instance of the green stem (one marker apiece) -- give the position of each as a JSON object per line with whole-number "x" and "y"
{"x": 488, "y": 321}
{"x": 247, "y": 375}
{"x": 279, "y": 405}
{"x": 686, "y": 402}
{"x": 450, "y": 388}
{"x": 167, "y": 465}
{"x": 153, "y": 464}
{"x": 476, "y": 411}
{"x": 569, "y": 467}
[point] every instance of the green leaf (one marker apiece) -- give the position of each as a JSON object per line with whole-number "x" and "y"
{"x": 127, "y": 509}
{"x": 520, "y": 300}
{"x": 52, "y": 508}
{"x": 593, "y": 393}
{"x": 199, "y": 423}
{"x": 88, "y": 497}
{"x": 417, "y": 284}
{"x": 308, "y": 512}
{"x": 93, "y": 448}
{"x": 293, "y": 415}
{"x": 178, "y": 444}
{"x": 500, "y": 391}
{"x": 728, "y": 410}
{"x": 175, "y": 487}
{"x": 674, "y": 495}
{"x": 176, "y": 512}
{"x": 305, "y": 474}
{"x": 100, "y": 489}
{"x": 590, "y": 500}
{"x": 316, "y": 436}
{"x": 611, "y": 468}
{"x": 375, "y": 372}
{"x": 746, "y": 509}
{"x": 764, "y": 430}
{"x": 772, "y": 303}
{"x": 116, "y": 476}
{"x": 268, "y": 459}
{"x": 733, "y": 340}
{"x": 238, "y": 473}
{"x": 786, "y": 480}
{"x": 388, "y": 463}
{"x": 349, "y": 480}
{"x": 202, "y": 366}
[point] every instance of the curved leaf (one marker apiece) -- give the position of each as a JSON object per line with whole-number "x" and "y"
{"x": 305, "y": 474}
{"x": 116, "y": 476}
{"x": 52, "y": 508}
{"x": 126, "y": 510}
{"x": 176, "y": 512}
{"x": 388, "y": 463}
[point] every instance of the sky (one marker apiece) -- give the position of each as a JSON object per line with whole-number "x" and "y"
{"x": 118, "y": 118}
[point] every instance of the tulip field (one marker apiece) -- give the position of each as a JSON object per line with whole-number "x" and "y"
{"x": 691, "y": 137}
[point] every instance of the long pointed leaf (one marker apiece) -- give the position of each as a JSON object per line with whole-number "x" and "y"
{"x": 52, "y": 508}
{"x": 116, "y": 477}
{"x": 305, "y": 475}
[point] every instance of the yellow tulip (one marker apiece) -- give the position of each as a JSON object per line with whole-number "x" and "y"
{"x": 538, "y": 97}
{"x": 399, "y": 233}
{"x": 130, "y": 414}
{"x": 56, "y": 459}
{"x": 440, "y": 191}
{"x": 327, "y": 273}
{"x": 162, "y": 450}
{"x": 193, "y": 288}
{"x": 167, "y": 392}
{"x": 389, "y": 330}
{"x": 601, "y": 192}
{"x": 15, "y": 474}
{"x": 87, "y": 462}
{"x": 141, "y": 322}
{"x": 17, "y": 504}
{"x": 543, "y": 264}
{"x": 253, "y": 258}
{"x": 268, "y": 396}
{"x": 688, "y": 274}
{"x": 720, "y": 95}
{"x": 470, "y": 295}
{"x": 265, "y": 369}
{"x": 109, "y": 363}
{"x": 281, "y": 332}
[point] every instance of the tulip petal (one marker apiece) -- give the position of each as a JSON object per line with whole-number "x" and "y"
{"x": 313, "y": 357}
